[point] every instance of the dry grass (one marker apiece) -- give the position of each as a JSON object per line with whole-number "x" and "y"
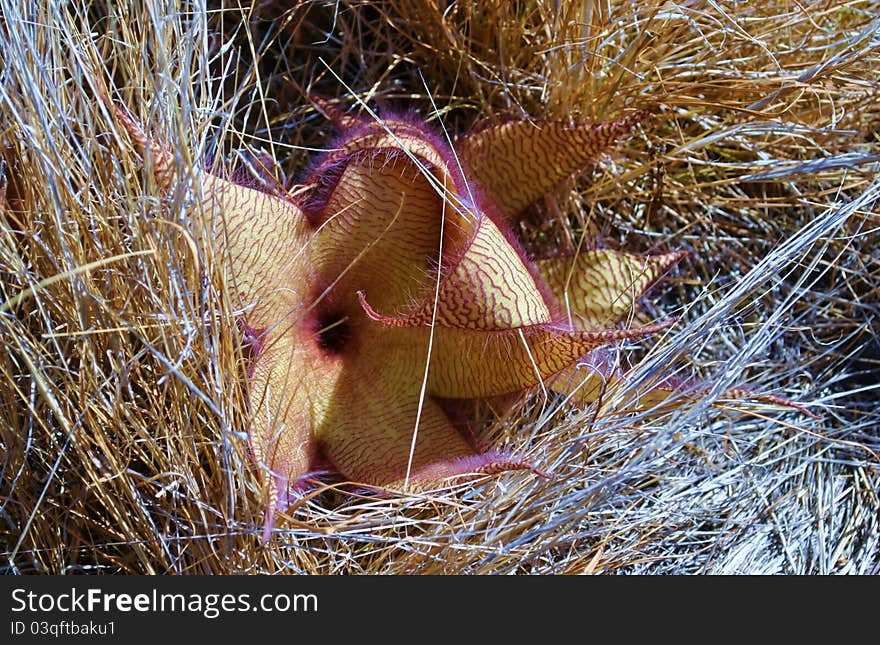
{"x": 121, "y": 406}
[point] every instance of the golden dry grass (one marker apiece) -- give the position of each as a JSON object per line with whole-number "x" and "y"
{"x": 122, "y": 414}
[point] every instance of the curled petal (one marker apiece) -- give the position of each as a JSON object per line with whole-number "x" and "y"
{"x": 370, "y": 137}
{"x": 489, "y": 287}
{"x": 381, "y": 232}
{"x": 339, "y": 117}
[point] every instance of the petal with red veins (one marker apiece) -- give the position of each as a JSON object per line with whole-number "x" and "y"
{"x": 334, "y": 113}
{"x": 367, "y": 431}
{"x": 289, "y": 386}
{"x": 263, "y": 238}
{"x": 371, "y": 137}
{"x": 585, "y": 386}
{"x": 382, "y": 230}
{"x": 158, "y": 157}
{"x": 516, "y": 163}
{"x": 488, "y": 287}
{"x": 602, "y": 287}
{"x": 390, "y": 214}
{"x": 478, "y": 364}
{"x": 262, "y": 235}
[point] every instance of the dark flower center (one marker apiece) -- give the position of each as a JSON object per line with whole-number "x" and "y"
{"x": 333, "y": 330}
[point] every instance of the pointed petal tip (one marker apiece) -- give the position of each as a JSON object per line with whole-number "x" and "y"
{"x": 675, "y": 391}
{"x": 516, "y": 162}
{"x": 674, "y": 256}
{"x": 284, "y": 493}
{"x": 638, "y": 115}
{"x": 603, "y": 286}
{"x": 486, "y": 463}
{"x": 648, "y": 330}
{"x": 334, "y": 113}
{"x": 666, "y": 261}
{"x": 268, "y": 527}
{"x": 746, "y": 393}
{"x": 144, "y": 145}
{"x": 372, "y": 314}
{"x": 277, "y": 499}
{"x": 495, "y": 463}
{"x": 132, "y": 128}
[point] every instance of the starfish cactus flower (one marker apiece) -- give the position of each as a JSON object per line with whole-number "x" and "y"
{"x": 396, "y": 283}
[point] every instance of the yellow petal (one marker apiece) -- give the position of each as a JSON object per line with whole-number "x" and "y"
{"x": 262, "y": 236}
{"x": 381, "y": 230}
{"x": 586, "y": 385}
{"x": 479, "y": 364}
{"x": 602, "y": 287}
{"x": 289, "y": 385}
{"x": 517, "y": 162}
{"x": 367, "y": 431}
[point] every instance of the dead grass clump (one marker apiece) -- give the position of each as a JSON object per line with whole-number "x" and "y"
{"x": 122, "y": 414}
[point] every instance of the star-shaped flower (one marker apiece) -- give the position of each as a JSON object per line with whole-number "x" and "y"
{"x": 397, "y": 283}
